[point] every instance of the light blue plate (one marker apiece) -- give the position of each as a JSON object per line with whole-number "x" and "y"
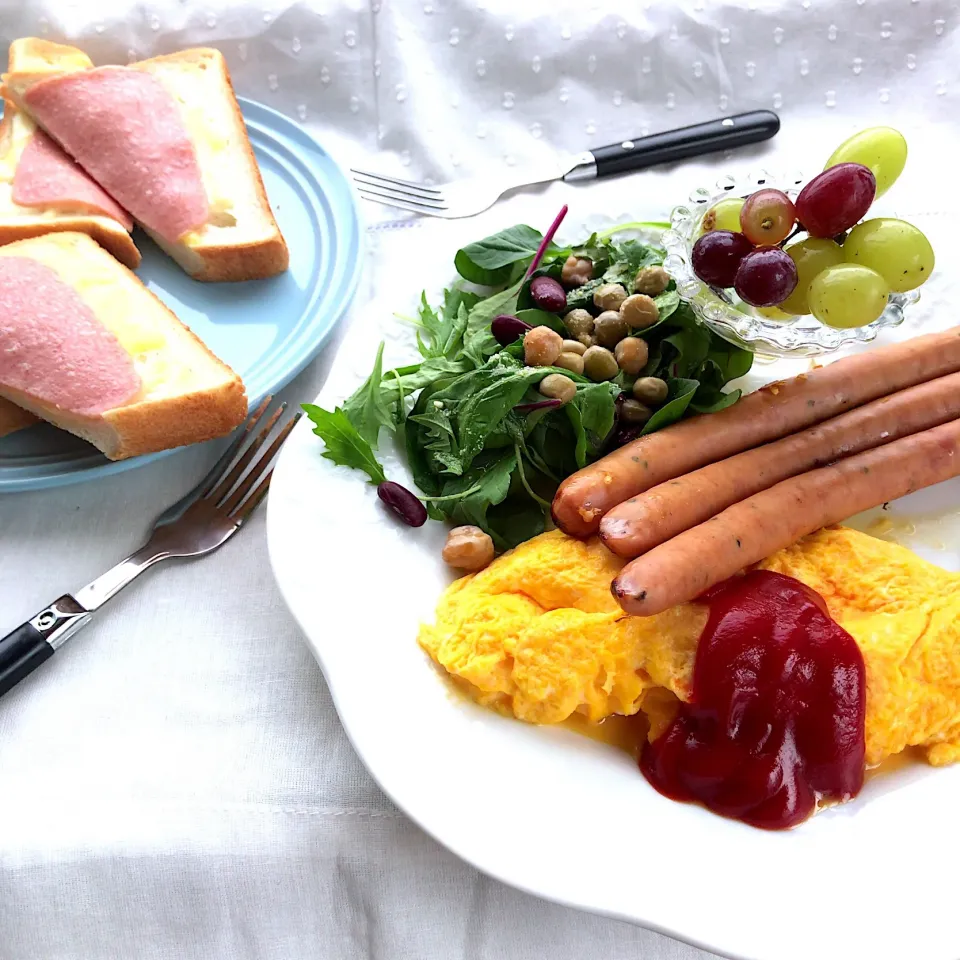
{"x": 267, "y": 330}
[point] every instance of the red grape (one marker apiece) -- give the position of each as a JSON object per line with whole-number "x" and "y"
{"x": 766, "y": 277}
{"x": 717, "y": 255}
{"x": 833, "y": 201}
{"x": 767, "y": 216}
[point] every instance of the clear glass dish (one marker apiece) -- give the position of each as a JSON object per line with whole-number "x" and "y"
{"x": 737, "y": 321}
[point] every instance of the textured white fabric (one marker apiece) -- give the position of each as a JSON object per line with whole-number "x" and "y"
{"x": 175, "y": 782}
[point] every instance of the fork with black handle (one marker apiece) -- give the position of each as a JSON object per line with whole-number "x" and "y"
{"x": 466, "y": 198}
{"x": 204, "y": 519}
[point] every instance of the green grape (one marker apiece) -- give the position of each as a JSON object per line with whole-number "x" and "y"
{"x": 811, "y": 255}
{"x": 882, "y": 149}
{"x": 723, "y": 215}
{"x": 848, "y": 295}
{"x": 773, "y": 313}
{"x": 897, "y": 250}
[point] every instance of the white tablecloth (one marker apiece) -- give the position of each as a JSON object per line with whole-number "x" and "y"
{"x": 175, "y": 783}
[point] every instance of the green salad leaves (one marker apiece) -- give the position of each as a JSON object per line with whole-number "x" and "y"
{"x": 483, "y": 445}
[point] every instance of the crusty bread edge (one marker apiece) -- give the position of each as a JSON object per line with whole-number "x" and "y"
{"x": 256, "y": 260}
{"x": 14, "y": 418}
{"x": 149, "y": 426}
{"x": 115, "y": 242}
{"x": 152, "y": 426}
{"x": 24, "y": 50}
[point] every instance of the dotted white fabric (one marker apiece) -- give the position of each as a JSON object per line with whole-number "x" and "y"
{"x": 175, "y": 783}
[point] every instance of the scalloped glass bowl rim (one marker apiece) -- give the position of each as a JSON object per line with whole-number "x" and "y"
{"x": 799, "y": 337}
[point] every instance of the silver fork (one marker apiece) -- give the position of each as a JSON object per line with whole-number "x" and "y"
{"x": 205, "y": 518}
{"x": 467, "y": 198}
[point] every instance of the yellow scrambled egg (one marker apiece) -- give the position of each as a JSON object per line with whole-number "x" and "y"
{"x": 538, "y": 635}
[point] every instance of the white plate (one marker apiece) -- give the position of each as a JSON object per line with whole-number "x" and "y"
{"x": 569, "y": 819}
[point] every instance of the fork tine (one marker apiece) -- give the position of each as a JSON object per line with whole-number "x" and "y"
{"x": 262, "y": 462}
{"x": 210, "y": 480}
{"x": 253, "y": 501}
{"x": 401, "y": 204}
{"x": 380, "y": 178}
{"x": 392, "y": 195}
{"x": 375, "y": 183}
{"x": 219, "y": 493}
{"x": 207, "y": 482}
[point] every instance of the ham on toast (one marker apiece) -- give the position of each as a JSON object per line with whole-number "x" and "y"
{"x": 42, "y": 189}
{"x": 165, "y": 138}
{"x": 96, "y": 353}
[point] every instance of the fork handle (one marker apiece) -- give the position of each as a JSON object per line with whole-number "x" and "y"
{"x": 33, "y": 642}
{"x": 670, "y": 145}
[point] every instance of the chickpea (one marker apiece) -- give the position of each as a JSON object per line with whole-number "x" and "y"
{"x": 609, "y": 296}
{"x": 650, "y": 390}
{"x": 651, "y": 280}
{"x": 639, "y": 311}
{"x": 558, "y": 387}
{"x": 633, "y": 411}
{"x": 576, "y": 271}
{"x": 575, "y": 346}
{"x": 579, "y": 323}
{"x": 468, "y": 548}
{"x": 587, "y": 340}
{"x": 632, "y": 354}
{"x": 610, "y": 328}
{"x": 600, "y": 364}
{"x": 570, "y": 361}
{"x": 541, "y": 346}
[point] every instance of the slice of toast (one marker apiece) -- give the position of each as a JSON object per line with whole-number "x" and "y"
{"x": 13, "y": 418}
{"x": 180, "y": 394}
{"x": 240, "y": 239}
{"x": 19, "y": 222}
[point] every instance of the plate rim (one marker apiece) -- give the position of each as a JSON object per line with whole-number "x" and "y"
{"x": 410, "y": 811}
{"x": 275, "y": 121}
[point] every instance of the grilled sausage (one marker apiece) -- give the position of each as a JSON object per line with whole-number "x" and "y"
{"x": 653, "y": 517}
{"x": 682, "y": 568}
{"x": 772, "y": 412}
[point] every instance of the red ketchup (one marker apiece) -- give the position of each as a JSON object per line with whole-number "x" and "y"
{"x": 776, "y": 720}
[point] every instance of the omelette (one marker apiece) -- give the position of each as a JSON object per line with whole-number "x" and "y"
{"x": 538, "y": 635}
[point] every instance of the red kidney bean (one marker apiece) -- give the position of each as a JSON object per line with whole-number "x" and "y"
{"x": 403, "y": 503}
{"x": 547, "y": 294}
{"x": 623, "y": 433}
{"x": 618, "y": 403}
{"x": 506, "y": 328}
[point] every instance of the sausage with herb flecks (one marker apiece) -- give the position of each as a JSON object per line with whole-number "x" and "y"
{"x": 653, "y": 517}
{"x": 769, "y": 413}
{"x": 683, "y": 567}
